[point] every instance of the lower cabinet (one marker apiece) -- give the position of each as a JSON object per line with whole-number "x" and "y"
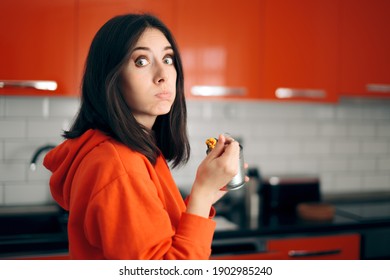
{"x": 376, "y": 244}
{"x": 41, "y": 258}
{"x": 329, "y": 247}
{"x": 324, "y": 247}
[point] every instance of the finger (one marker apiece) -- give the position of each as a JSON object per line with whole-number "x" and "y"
{"x": 229, "y": 139}
{"x": 219, "y": 147}
{"x": 231, "y": 151}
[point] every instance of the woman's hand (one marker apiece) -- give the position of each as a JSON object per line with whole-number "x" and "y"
{"x": 214, "y": 172}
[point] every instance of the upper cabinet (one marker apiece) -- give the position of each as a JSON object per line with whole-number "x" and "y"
{"x": 260, "y": 49}
{"x": 365, "y": 48}
{"x": 221, "y": 44}
{"x": 37, "y": 47}
{"x": 301, "y": 50}
{"x": 92, "y": 14}
{"x": 44, "y": 43}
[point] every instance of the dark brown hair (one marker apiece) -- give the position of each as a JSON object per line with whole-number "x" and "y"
{"x": 103, "y": 106}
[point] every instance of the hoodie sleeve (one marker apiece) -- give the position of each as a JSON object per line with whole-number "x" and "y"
{"x": 127, "y": 220}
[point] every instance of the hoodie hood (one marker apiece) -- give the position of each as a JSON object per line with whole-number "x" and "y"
{"x": 64, "y": 160}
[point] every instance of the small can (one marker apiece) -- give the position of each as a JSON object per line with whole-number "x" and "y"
{"x": 238, "y": 180}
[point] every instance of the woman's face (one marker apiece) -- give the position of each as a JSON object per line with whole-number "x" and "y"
{"x": 149, "y": 78}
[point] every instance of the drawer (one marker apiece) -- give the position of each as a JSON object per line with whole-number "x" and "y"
{"x": 327, "y": 247}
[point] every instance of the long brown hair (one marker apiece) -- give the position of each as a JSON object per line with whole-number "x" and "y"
{"x": 103, "y": 106}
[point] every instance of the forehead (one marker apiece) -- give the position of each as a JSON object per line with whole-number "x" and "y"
{"x": 152, "y": 37}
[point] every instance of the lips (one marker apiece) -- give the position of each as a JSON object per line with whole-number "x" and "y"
{"x": 164, "y": 95}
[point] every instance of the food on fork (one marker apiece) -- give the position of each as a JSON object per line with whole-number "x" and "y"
{"x": 211, "y": 143}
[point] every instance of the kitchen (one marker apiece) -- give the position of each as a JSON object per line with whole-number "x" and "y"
{"x": 338, "y": 130}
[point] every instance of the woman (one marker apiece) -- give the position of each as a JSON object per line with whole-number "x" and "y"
{"x": 111, "y": 173}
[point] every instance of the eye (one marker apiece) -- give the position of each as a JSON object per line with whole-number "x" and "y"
{"x": 141, "y": 61}
{"x": 168, "y": 60}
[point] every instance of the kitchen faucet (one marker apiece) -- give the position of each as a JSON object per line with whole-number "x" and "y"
{"x": 41, "y": 149}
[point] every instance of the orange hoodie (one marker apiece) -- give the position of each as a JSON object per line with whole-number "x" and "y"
{"x": 120, "y": 205}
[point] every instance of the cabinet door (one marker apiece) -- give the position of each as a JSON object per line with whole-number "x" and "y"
{"x": 301, "y": 50}
{"x": 221, "y": 47}
{"x": 336, "y": 247}
{"x": 254, "y": 256}
{"x": 365, "y": 47}
{"x": 37, "y": 43}
{"x": 92, "y": 14}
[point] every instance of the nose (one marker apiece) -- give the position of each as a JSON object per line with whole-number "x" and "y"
{"x": 161, "y": 74}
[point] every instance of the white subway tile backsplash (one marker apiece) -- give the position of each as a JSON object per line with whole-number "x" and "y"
{"x": 273, "y": 166}
{"x": 12, "y": 128}
{"x": 2, "y": 191}
{"x": 303, "y": 129}
{"x": 384, "y": 164}
{"x": 2, "y": 106}
{"x": 257, "y": 148}
{"x": 381, "y": 112}
{"x": 361, "y": 130}
{"x": 376, "y": 147}
{"x": 345, "y": 147}
{"x": 348, "y": 182}
{"x": 334, "y": 164}
{"x": 10, "y": 171}
{"x": 327, "y": 183}
{"x": 333, "y": 129}
{"x": 46, "y": 128}
{"x": 264, "y": 129}
{"x": 383, "y": 130}
{"x": 349, "y": 112}
{"x": 20, "y": 150}
{"x": 301, "y": 165}
{"x": 286, "y": 147}
{"x": 362, "y": 164}
{"x": 40, "y": 174}
{"x": 320, "y": 112}
{"x": 376, "y": 181}
{"x": 2, "y": 151}
{"x": 24, "y": 107}
{"x": 316, "y": 147}
{"x": 347, "y": 144}
{"x": 63, "y": 107}
{"x": 27, "y": 194}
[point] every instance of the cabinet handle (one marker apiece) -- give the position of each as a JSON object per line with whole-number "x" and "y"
{"x": 305, "y": 253}
{"x": 296, "y": 92}
{"x": 218, "y": 91}
{"x": 378, "y": 88}
{"x": 40, "y": 85}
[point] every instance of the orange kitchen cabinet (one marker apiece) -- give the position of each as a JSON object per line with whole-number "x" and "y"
{"x": 301, "y": 50}
{"x": 37, "y": 44}
{"x": 251, "y": 256}
{"x": 365, "y": 48}
{"x": 92, "y": 14}
{"x": 336, "y": 247}
{"x": 221, "y": 43}
{"x": 54, "y": 256}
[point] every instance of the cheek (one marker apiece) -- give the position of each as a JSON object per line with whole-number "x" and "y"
{"x": 131, "y": 85}
{"x": 174, "y": 78}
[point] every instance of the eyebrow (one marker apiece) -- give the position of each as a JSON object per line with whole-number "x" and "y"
{"x": 148, "y": 49}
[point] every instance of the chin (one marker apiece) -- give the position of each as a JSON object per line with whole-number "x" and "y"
{"x": 163, "y": 110}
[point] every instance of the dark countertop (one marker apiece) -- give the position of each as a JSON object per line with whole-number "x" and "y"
{"x": 352, "y": 213}
{"x": 42, "y": 230}
{"x": 32, "y": 230}
{"x": 364, "y": 215}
